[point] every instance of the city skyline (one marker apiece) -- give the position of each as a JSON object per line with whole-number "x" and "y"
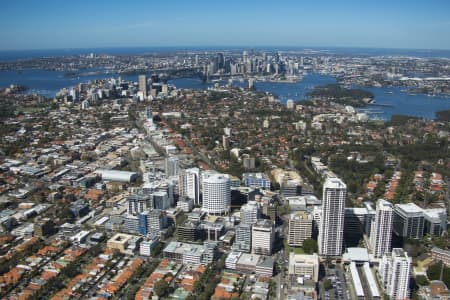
{"x": 28, "y": 25}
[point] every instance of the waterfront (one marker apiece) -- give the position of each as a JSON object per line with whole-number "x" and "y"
{"x": 392, "y": 100}
{"x": 48, "y": 83}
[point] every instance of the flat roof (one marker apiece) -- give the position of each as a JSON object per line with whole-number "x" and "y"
{"x": 266, "y": 262}
{"x": 356, "y": 210}
{"x": 356, "y": 254}
{"x": 249, "y": 259}
{"x": 409, "y": 208}
{"x": 371, "y": 281}
{"x": 436, "y": 213}
{"x": 334, "y": 183}
{"x": 356, "y": 280}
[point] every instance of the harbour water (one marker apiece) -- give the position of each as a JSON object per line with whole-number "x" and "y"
{"x": 48, "y": 83}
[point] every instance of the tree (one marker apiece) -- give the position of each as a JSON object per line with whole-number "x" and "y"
{"x": 161, "y": 288}
{"x": 422, "y": 280}
{"x": 310, "y": 246}
{"x": 327, "y": 284}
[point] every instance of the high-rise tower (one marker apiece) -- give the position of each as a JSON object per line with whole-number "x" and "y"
{"x": 381, "y": 231}
{"x": 216, "y": 194}
{"x": 332, "y": 222}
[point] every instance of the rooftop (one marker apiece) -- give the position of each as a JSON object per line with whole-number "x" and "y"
{"x": 409, "y": 208}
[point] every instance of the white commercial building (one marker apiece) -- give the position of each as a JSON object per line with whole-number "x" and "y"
{"x": 381, "y": 232}
{"x": 304, "y": 265}
{"x": 250, "y": 212}
{"x": 300, "y": 228}
{"x": 262, "y": 237}
{"x": 216, "y": 194}
{"x": 394, "y": 272}
{"x": 148, "y": 245}
{"x": 331, "y": 230}
{"x": 190, "y": 254}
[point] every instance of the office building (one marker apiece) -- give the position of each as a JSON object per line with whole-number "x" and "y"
{"x": 269, "y": 210}
{"x": 300, "y": 228}
{"x": 256, "y": 180}
{"x": 188, "y": 231}
{"x": 138, "y": 203}
{"x": 143, "y": 85}
{"x": 216, "y": 194}
{"x": 189, "y": 184}
{"x": 394, "y": 271}
{"x": 185, "y": 204}
{"x": 262, "y": 237}
{"x": 291, "y": 188}
{"x": 119, "y": 242}
{"x": 381, "y": 232}
{"x": 160, "y": 200}
{"x": 354, "y": 224}
{"x": 44, "y": 227}
{"x": 435, "y": 222}
{"x": 243, "y": 238}
{"x": 190, "y": 254}
{"x": 306, "y": 266}
{"x": 171, "y": 166}
{"x": 332, "y": 219}
{"x": 152, "y": 222}
{"x": 408, "y": 221}
{"x": 147, "y": 246}
{"x": 250, "y": 213}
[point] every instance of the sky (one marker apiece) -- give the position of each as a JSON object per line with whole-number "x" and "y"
{"x": 54, "y": 24}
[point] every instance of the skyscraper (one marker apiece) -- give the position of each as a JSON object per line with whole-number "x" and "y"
{"x": 381, "y": 231}
{"x": 216, "y": 194}
{"x": 143, "y": 85}
{"x": 189, "y": 184}
{"x": 394, "y": 272}
{"x": 332, "y": 222}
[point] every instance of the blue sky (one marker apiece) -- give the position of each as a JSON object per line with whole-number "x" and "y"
{"x": 46, "y": 24}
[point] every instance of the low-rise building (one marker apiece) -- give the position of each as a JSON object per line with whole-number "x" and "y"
{"x": 119, "y": 242}
{"x": 304, "y": 265}
{"x": 191, "y": 254}
{"x": 438, "y": 254}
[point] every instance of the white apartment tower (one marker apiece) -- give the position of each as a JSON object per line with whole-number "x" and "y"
{"x": 381, "y": 231}
{"x": 300, "y": 228}
{"x": 262, "y": 237}
{"x": 216, "y": 194}
{"x": 394, "y": 272}
{"x": 331, "y": 230}
{"x": 189, "y": 184}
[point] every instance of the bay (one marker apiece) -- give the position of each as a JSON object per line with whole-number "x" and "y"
{"x": 48, "y": 83}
